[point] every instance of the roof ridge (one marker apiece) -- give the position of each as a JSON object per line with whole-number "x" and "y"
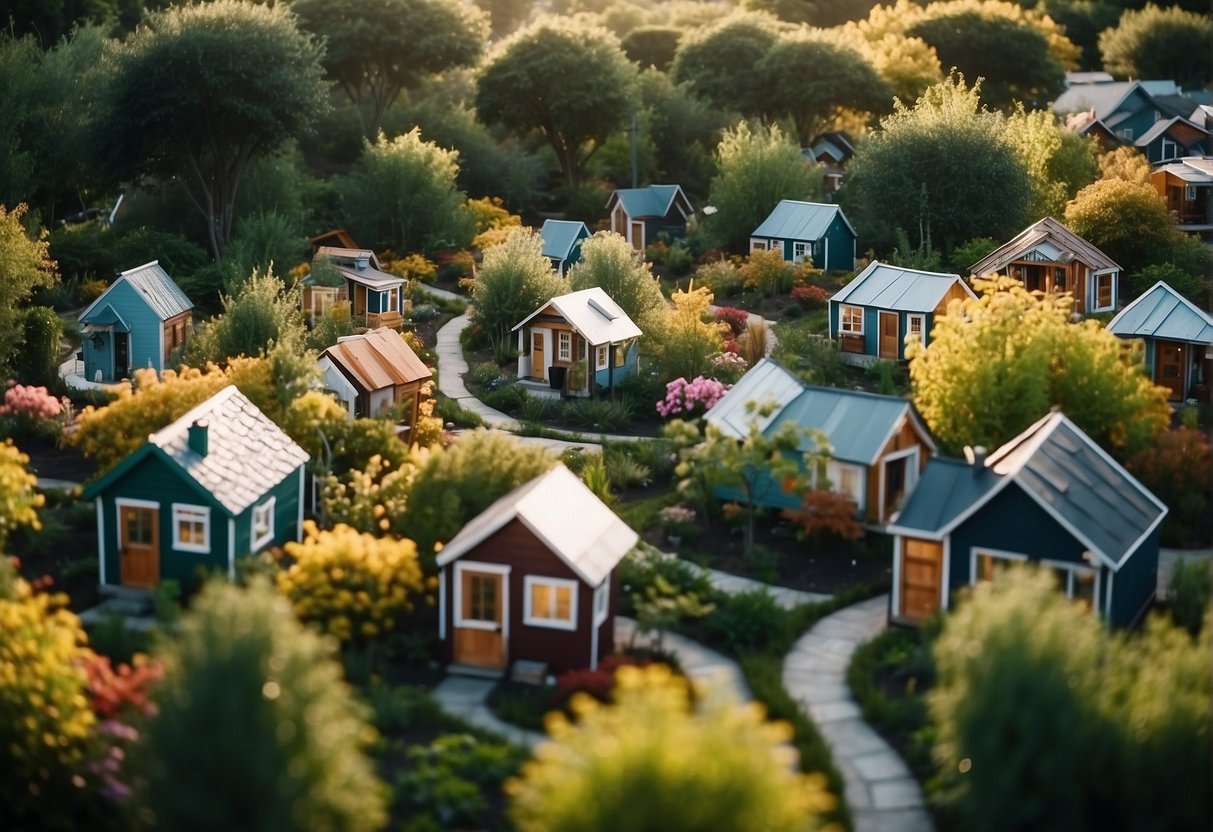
{"x": 1035, "y": 433}
{"x": 183, "y": 421}
{"x": 140, "y": 268}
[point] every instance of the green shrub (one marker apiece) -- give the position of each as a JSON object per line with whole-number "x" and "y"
{"x": 622, "y": 470}
{"x": 484, "y": 373}
{"x": 648, "y": 568}
{"x": 536, "y": 410}
{"x": 793, "y": 311}
{"x": 450, "y": 411}
{"x": 748, "y": 621}
{"x": 447, "y": 779}
{"x": 1189, "y": 594}
{"x": 606, "y": 415}
{"x": 38, "y": 360}
{"x": 721, "y": 277}
{"x": 508, "y": 397}
{"x": 398, "y": 708}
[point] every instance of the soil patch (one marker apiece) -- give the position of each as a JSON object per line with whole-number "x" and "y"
{"x": 51, "y": 462}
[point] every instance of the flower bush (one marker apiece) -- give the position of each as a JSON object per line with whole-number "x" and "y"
{"x": 352, "y": 586}
{"x": 676, "y": 519}
{"x": 598, "y": 683}
{"x": 737, "y": 319}
{"x": 371, "y": 500}
{"x": 28, "y": 411}
{"x": 810, "y": 296}
{"x": 826, "y": 512}
{"x": 729, "y": 366}
{"x": 691, "y": 398}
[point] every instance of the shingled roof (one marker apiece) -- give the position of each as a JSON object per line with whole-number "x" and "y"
{"x": 1047, "y": 232}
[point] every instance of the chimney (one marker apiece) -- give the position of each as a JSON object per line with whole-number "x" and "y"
{"x": 198, "y": 437}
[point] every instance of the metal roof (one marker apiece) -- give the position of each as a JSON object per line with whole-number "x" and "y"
{"x": 947, "y": 489}
{"x": 345, "y": 260}
{"x": 152, "y": 283}
{"x": 1104, "y": 98}
{"x": 377, "y": 359}
{"x": 765, "y": 382}
{"x": 565, "y": 515}
{"x": 559, "y": 237}
{"x": 1161, "y": 312}
{"x": 903, "y": 290}
{"x": 1194, "y": 169}
{"x": 106, "y": 317}
{"x": 247, "y": 454}
{"x": 650, "y": 201}
{"x": 1046, "y": 230}
{"x": 593, "y": 314}
{"x": 795, "y": 220}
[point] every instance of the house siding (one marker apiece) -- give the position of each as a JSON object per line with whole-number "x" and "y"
{"x": 515, "y": 546}
{"x": 286, "y": 516}
{"x": 1135, "y": 583}
{"x": 631, "y": 365}
{"x": 145, "y": 325}
{"x": 842, "y": 247}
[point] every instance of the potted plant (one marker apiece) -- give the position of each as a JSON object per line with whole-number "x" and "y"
{"x": 676, "y": 521}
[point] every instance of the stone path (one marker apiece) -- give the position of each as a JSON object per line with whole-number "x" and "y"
{"x": 787, "y": 597}
{"x": 882, "y": 794}
{"x": 709, "y": 668}
{"x": 465, "y": 697}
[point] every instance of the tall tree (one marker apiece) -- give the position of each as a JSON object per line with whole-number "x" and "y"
{"x": 720, "y": 62}
{"x": 943, "y": 168}
{"x": 376, "y": 49}
{"x": 25, "y": 265}
{"x": 997, "y": 363}
{"x": 608, "y": 262}
{"x": 200, "y": 90}
{"x": 565, "y": 78}
{"x": 1161, "y": 43}
{"x": 1059, "y": 161}
{"x": 511, "y": 283}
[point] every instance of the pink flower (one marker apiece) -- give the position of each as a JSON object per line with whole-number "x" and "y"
{"x": 693, "y": 398}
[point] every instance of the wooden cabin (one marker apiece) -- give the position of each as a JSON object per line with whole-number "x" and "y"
{"x": 375, "y": 297}
{"x": 1186, "y": 185}
{"x": 1177, "y": 336}
{"x": 374, "y": 372}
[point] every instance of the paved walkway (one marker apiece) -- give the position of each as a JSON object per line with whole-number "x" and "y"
{"x": 882, "y": 794}
{"x": 465, "y": 697}
{"x": 72, "y": 373}
{"x": 787, "y": 597}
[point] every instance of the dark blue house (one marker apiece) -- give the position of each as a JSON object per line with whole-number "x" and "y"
{"x": 811, "y": 231}
{"x": 562, "y": 243}
{"x": 641, "y": 214}
{"x": 1050, "y": 496}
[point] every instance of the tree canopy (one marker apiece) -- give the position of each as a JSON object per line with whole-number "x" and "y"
{"x": 608, "y": 262}
{"x": 720, "y": 62}
{"x": 1161, "y": 43}
{"x": 243, "y": 72}
{"x": 513, "y": 281}
{"x": 25, "y": 265}
{"x": 568, "y": 80}
{"x": 997, "y": 363}
{"x": 1060, "y": 162}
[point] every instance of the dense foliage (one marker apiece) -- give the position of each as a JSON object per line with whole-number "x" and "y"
{"x": 24, "y": 266}
{"x": 609, "y": 263}
{"x": 514, "y": 280}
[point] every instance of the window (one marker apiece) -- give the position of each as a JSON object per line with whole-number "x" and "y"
{"x": 914, "y": 328}
{"x": 600, "y": 358}
{"x": 601, "y": 605}
{"x": 481, "y": 601}
{"x": 990, "y": 564}
{"x": 191, "y": 528}
{"x": 1103, "y": 291}
{"x": 800, "y": 252}
{"x": 1170, "y": 149}
{"x": 550, "y": 602}
{"x": 850, "y": 320}
{"x": 564, "y": 345}
{"x": 139, "y": 528}
{"x": 263, "y": 524}
{"x": 1125, "y": 132}
{"x": 1189, "y": 193}
{"x": 758, "y": 245}
{"x": 849, "y": 483}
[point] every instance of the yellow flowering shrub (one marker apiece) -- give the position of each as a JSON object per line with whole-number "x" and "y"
{"x": 372, "y": 499}
{"x": 354, "y": 586}
{"x": 18, "y": 500}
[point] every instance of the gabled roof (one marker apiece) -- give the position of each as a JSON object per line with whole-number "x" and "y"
{"x": 346, "y": 261}
{"x": 565, "y": 515}
{"x": 1162, "y": 126}
{"x": 247, "y": 454}
{"x": 1104, "y": 98}
{"x": 1050, "y": 232}
{"x": 650, "y": 201}
{"x": 899, "y": 289}
{"x": 377, "y": 359}
{"x": 1161, "y": 312}
{"x": 795, "y": 220}
{"x": 559, "y": 237}
{"x": 104, "y": 318}
{"x": 593, "y": 314}
{"x": 1069, "y": 476}
{"x": 857, "y": 425}
{"x": 1196, "y": 170}
{"x": 150, "y": 282}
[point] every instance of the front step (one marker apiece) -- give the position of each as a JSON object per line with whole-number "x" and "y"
{"x": 538, "y": 389}
{"x": 475, "y": 671}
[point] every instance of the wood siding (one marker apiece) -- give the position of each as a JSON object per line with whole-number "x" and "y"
{"x": 906, "y": 437}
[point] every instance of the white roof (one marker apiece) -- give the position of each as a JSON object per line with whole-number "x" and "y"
{"x": 765, "y": 382}
{"x": 593, "y": 314}
{"x": 564, "y": 515}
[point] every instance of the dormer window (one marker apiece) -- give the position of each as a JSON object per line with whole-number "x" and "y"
{"x": 362, "y": 263}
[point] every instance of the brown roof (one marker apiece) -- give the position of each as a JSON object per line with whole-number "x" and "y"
{"x": 377, "y": 359}
{"x": 1047, "y": 230}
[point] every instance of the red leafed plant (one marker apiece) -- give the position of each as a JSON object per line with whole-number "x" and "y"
{"x": 826, "y": 512}
{"x": 737, "y": 319}
{"x": 810, "y": 297}
{"x": 114, "y": 692}
{"x": 598, "y": 683}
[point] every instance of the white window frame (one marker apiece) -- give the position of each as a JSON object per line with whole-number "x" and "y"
{"x": 601, "y": 354}
{"x": 977, "y": 551}
{"x": 184, "y": 512}
{"x": 564, "y": 345}
{"x": 1126, "y": 132}
{"x": 266, "y": 507}
{"x": 472, "y": 623}
{"x": 1170, "y": 149}
{"x": 922, "y": 328}
{"x": 1095, "y": 278}
{"x": 800, "y": 250}
{"x": 1189, "y": 193}
{"x": 1069, "y": 567}
{"x": 758, "y": 245}
{"x": 843, "y": 309}
{"x": 529, "y": 616}
{"x": 602, "y": 605}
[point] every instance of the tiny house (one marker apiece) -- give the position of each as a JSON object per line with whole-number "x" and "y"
{"x": 375, "y": 297}
{"x": 374, "y": 372}
{"x": 1178, "y": 340}
{"x": 641, "y": 214}
{"x": 808, "y": 231}
{"x": 562, "y": 243}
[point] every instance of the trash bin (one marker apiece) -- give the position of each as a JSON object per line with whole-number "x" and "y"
{"x": 556, "y": 377}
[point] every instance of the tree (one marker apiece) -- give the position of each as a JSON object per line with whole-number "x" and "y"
{"x": 682, "y": 130}
{"x": 284, "y": 736}
{"x": 812, "y": 80}
{"x": 1124, "y": 162}
{"x": 653, "y": 761}
{"x": 1060, "y": 162}
{"x": 608, "y": 262}
{"x": 242, "y": 71}
{"x": 756, "y": 169}
{"x": 1160, "y": 43}
{"x": 513, "y": 281}
{"x": 1012, "y": 57}
{"x": 376, "y": 50}
{"x": 455, "y": 484}
{"x": 652, "y": 46}
{"x": 25, "y": 265}
{"x": 261, "y": 314}
{"x": 756, "y": 468}
{"x": 568, "y": 80}
{"x": 687, "y": 339}
{"x": 943, "y": 168}
{"x": 997, "y": 363}
{"x": 908, "y": 64}
{"x": 720, "y": 62}
{"x": 401, "y": 194}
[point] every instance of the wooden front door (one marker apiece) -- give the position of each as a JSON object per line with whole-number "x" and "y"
{"x": 480, "y": 619}
{"x": 638, "y": 235}
{"x": 1170, "y": 361}
{"x": 139, "y": 545}
{"x": 359, "y": 299}
{"x": 887, "y": 347}
{"x": 921, "y": 577}
{"x": 538, "y": 365}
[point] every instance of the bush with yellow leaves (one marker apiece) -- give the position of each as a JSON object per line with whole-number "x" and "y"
{"x": 354, "y": 586}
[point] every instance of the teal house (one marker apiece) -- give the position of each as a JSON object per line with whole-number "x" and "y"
{"x": 219, "y": 484}
{"x": 874, "y": 315}
{"x": 808, "y": 231}
{"x": 137, "y": 322}
{"x": 1125, "y": 109}
{"x": 641, "y": 214}
{"x": 1177, "y": 336}
{"x": 562, "y": 243}
{"x": 1050, "y": 496}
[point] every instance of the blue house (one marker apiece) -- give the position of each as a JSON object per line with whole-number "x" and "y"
{"x": 376, "y": 297}
{"x": 577, "y": 338}
{"x": 1178, "y": 340}
{"x": 562, "y": 242}
{"x": 1173, "y": 138}
{"x": 811, "y": 231}
{"x": 218, "y": 484}
{"x": 640, "y": 214}
{"x": 878, "y": 444}
{"x": 1126, "y": 109}
{"x": 137, "y": 322}
{"x": 873, "y": 315}
{"x": 1050, "y": 496}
